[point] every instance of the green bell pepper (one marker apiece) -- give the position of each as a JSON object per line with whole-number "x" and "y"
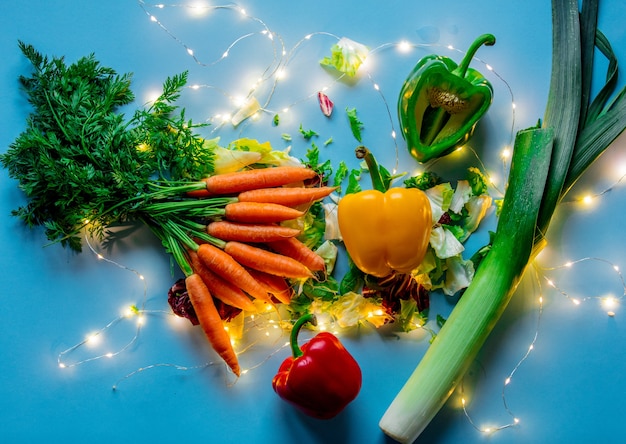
{"x": 440, "y": 103}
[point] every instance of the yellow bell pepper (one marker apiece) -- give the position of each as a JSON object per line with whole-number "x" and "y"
{"x": 386, "y": 231}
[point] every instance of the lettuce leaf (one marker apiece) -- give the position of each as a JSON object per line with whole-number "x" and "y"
{"x": 346, "y": 56}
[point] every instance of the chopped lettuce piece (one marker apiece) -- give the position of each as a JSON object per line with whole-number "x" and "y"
{"x": 248, "y": 109}
{"x": 346, "y": 56}
{"x": 229, "y": 160}
{"x": 269, "y": 156}
{"x": 328, "y": 251}
{"x": 440, "y": 197}
{"x": 351, "y": 309}
{"x": 459, "y": 274}
{"x": 332, "y": 224}
{"x": 461, "y": 196}
{"x": 477, "y": 208}
{"x": 445, "y": 243}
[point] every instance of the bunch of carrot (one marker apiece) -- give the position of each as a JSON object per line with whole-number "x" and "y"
{"x": 245, "y": 253}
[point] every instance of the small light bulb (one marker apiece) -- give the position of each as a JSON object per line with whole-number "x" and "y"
{"x": 404, "y": 46}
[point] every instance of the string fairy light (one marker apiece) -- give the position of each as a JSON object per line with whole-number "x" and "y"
{"x": 129, "y": 312}
{"x": 608, "y": 302}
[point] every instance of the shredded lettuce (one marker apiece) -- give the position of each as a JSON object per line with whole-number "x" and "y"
{"x": 459, "y": 274}
{"x": 346, "y": 56}
{"x": 269, "y": 156}
{"x": 477, "y": 208}
{"x": 353, "y": 309}
{"x": 440, "y": 197}
{"x": 445, "y": 243}
{"x": 328, "y": 251}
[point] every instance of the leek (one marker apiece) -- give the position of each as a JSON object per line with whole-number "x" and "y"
{"x": 547, "y": 161}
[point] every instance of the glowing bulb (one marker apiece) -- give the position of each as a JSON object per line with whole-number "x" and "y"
{"x": 109, "y": 355}
{"x": 62, "y": 365}
{"x": 153, "y": 18}
{"x": 190, "y": 51}
{"x": 281, "y": 74}
{"x": 506, "y": 153}
{"x": 93, "y": 339}
{"x": 576, "y": 301}
{"x": 239, "y": 101}
{"x": 489, "y": 67}
{"x": 376, "y": 87}
{"x": 404, "y": 46}
{"x": 609, "y": 302}
{"x": 587, "y": 199}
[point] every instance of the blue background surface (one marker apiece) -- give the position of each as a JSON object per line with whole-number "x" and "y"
{"x": 570, "y": 389}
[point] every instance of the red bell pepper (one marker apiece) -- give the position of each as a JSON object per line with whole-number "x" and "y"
{"x": 320, "y": 379}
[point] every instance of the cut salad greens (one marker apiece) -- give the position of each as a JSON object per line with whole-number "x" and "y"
{"x": 547, "y": 161}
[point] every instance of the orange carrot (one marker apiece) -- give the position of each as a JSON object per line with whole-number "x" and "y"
{"x": 288, "y": 196}
{"x": 295, "y": 249}
{"x": 235, "y": 231}
{"x": 223, "y": 290}
{"x": 236, "y": 182}
{"x": 199, "y": 193}
{"x": 266, "y": 261}
{"x": 258, "y": 212}
{"x": 211, "y": 322}
{"x": 276, "y": 285}
{"x": 225, "y": 266}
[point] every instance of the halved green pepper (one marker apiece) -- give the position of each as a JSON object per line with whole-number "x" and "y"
{"x": 441, "y": 102}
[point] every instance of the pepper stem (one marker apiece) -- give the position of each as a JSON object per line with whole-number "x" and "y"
{"x": 485, "y": 39}
{"x": 293, "y": 338}
{"x": 377, "y": 179}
